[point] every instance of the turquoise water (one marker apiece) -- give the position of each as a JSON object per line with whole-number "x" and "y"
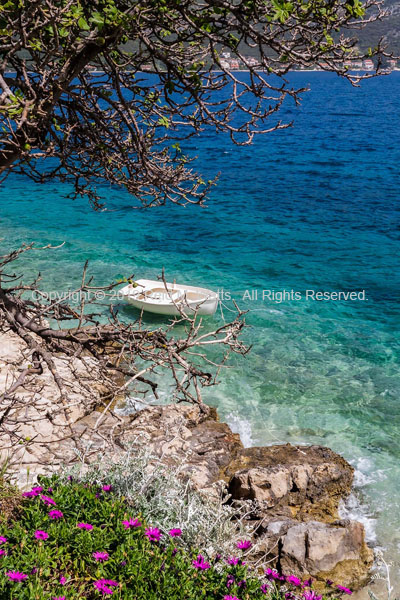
{"x": 315, "y": 207}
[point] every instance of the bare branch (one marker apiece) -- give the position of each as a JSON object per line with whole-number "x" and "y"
{"x": 160, "y": 80}
{"x": 86, "y": 362}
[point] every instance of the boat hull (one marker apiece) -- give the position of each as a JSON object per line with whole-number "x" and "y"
{"x": 151, "y": 296}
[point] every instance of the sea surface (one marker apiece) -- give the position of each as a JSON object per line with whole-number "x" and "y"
{"x": 315, "y": 207}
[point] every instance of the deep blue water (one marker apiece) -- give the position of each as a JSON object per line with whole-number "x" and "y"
{"x": 315, "y": 207}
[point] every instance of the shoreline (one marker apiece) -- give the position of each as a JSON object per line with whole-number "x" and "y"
{"x": 372, "y": 71}
{"x": 294, "y": 491}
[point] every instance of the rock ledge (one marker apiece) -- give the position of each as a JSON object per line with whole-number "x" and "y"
{"x": 295, "y": 489}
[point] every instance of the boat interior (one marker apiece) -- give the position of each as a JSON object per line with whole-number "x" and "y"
{"x": 160, "y": 294}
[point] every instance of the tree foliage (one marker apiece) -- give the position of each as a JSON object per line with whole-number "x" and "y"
{"x": 124, "y": 127}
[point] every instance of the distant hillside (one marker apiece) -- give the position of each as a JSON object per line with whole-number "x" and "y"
{"x": 388, "y": 28}
{"x": 369, "y": 36}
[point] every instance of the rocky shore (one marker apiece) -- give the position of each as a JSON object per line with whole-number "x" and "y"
{"x": 294, "y": 491}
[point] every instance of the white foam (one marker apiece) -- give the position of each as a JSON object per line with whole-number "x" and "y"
{"x": 362, "y": 479}
{"x": 353, "y": 507}
{"x": 365, "y": 464}
{"x": 366, "y": 472}
{"x": 354, "y": 510}
{"x": 242, "y": 427}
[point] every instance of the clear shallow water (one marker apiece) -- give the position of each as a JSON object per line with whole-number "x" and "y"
{"x": 314, "y": 207}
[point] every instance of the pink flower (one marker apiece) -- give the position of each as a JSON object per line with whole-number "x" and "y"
{"x": 293, "y": 580}
{"x": 2, "y": 552}
{"x": 232, "y": 560}
{"x": 153, "y": 534}
{"x": 231, "y": 598}
{"x": 47, "y": 500}
{"x": 264, "y": 588}
{"x": 28, "y": 494}
{"x": 131, "y": 523}
{"x": 3, "y": 540}
{"x": 58, "y": 598}
{"x": 244, "y": 544}
{"x": 100, "y": 556}
{"x": 105, "y": 585}
{"x": 56, "y": 514}
{"x": 311, "y": 595}
{"x": 107, "y": 488}
{"x": 345, "y": 590}
{"x": 200, "y": 563}
{"x": 34, "y": 492}
{"x": 175, "y": 532}
{"x": 16, "y": 576}
{"x": 41, "y": 535}
{"x": 63, "y": 580}
{"x": 86, "y": 526}
{"x": 272, "y": 574}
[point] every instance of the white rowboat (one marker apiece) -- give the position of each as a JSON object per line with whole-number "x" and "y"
{"x": 154, "y": 297}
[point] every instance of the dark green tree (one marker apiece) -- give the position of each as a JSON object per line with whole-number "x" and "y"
{"x": 124, "y": 128}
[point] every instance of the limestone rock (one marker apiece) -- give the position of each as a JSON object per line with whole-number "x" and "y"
{"x": 202, "y": 446}
{"x": 325, "y": 551}
{"x": 309, "y": 480}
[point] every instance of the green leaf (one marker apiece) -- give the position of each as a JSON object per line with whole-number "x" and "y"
{"x": 164, "y": 122}
{"x": 83, "y": 24}
{"x": 98, "y": 20}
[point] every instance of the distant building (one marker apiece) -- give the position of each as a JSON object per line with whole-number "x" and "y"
{"x": 392, "y": 64}
{"x": 230, "y": 64}
{"x": 354, "y": 65}
{"x": 368, "y": 65}
{"x": 251, "y": 61}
